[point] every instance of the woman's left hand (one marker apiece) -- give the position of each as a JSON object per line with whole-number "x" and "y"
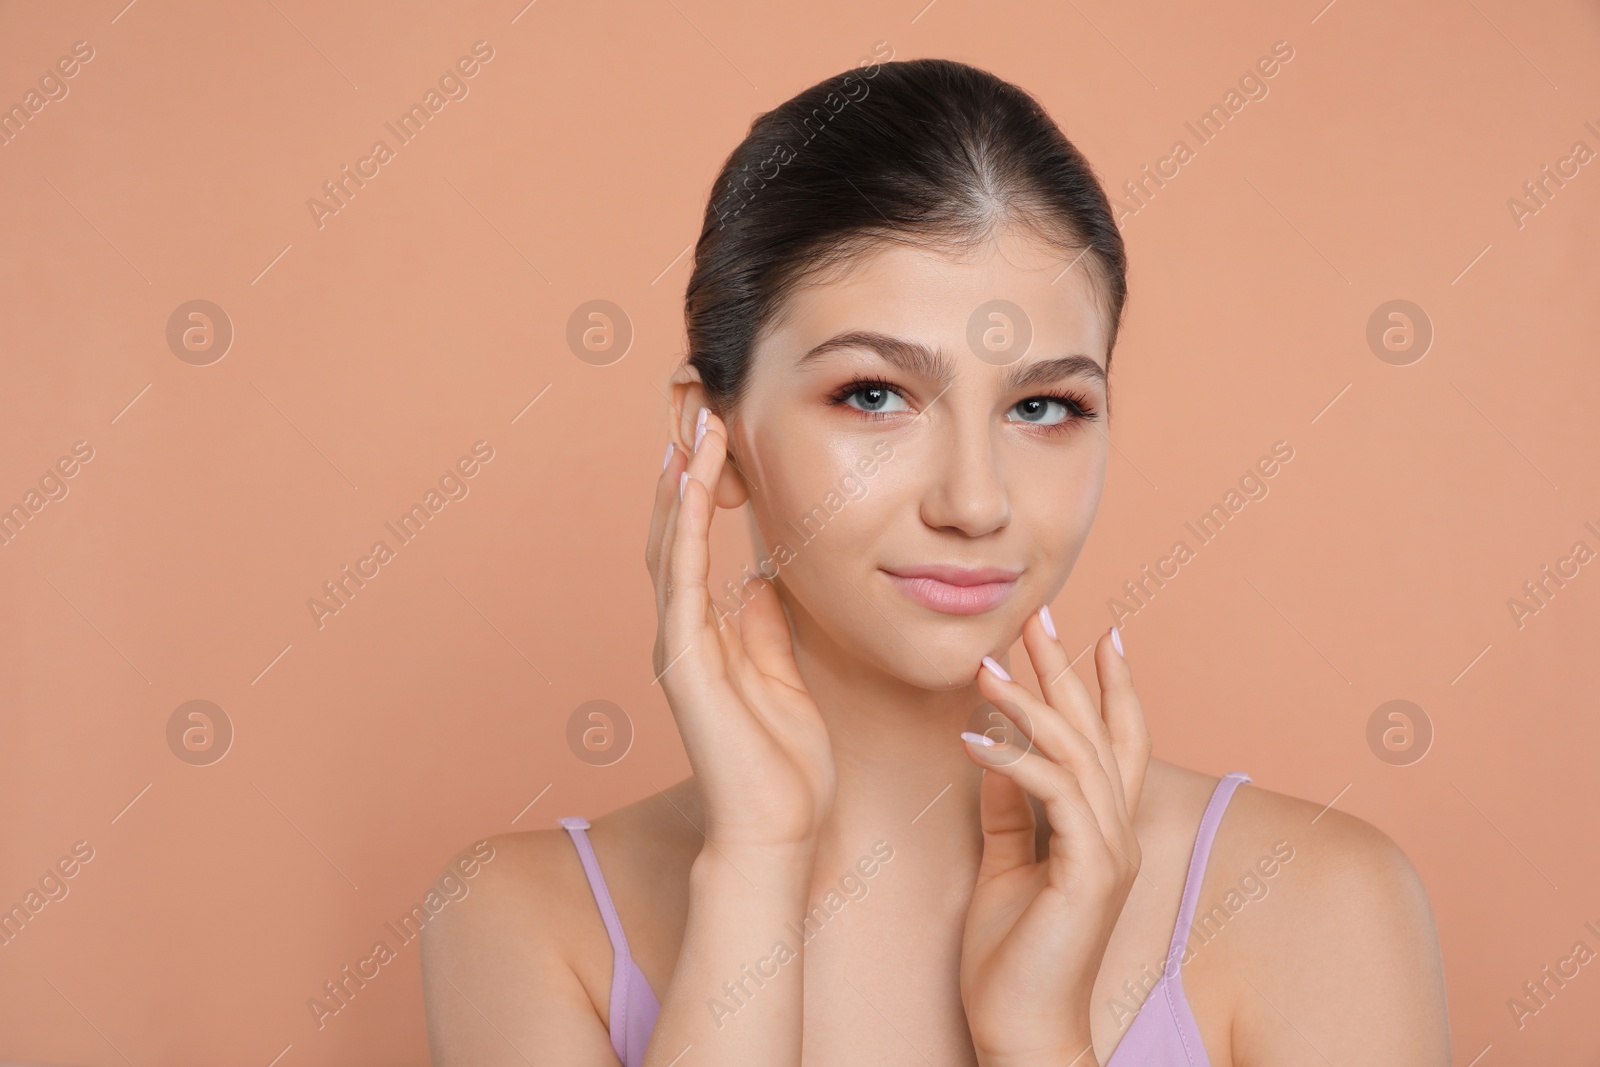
{"x": 1037, "y": 931}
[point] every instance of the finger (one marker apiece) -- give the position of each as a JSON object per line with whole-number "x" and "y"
{"x": 1064, "y": 691}
{"x": 735, "y": 657}
{"x": 667, "y": 504}
{"x": 765, "y": 631}
{"x": 679, "y": 482}
{"x": 692, "y": 649}
{"x": 1124, "y": 717}
{"x": 677, "y": 466}
{"x": 1072, "y": 820}
{"x": 673, "y": 489}
{"x": 1008, "y": 827}
{"x": 688, "y": 601}
{"x": 709, "y": 450}
{"x": 1058, "y": 741}
{"x": 663, "y": 519}
{"x": 685, "y": 565}
{"x": 666, "y": 496}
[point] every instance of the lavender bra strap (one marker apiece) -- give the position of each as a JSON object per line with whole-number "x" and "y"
{"x": 622, "y": 959}
{"x": 1197, "y": 867}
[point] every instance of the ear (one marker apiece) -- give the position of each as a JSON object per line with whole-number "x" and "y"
{"x": 689, "y": 395}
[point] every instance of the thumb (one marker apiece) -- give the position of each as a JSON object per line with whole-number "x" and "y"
{"x": 765, "y": 631}
{"x": 1008, "y": 826}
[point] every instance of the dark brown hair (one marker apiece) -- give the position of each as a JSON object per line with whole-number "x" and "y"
{"x": 919, "y": 151}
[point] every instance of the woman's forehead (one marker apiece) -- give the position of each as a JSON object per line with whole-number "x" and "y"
{"x": 940, "y": 301}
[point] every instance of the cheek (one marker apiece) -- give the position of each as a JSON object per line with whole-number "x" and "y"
{"x": 814, "y": 497}
{"x": 792, "y": 476}
{"x": 1059, "y": 522}
{"x": 1090, "y": 486}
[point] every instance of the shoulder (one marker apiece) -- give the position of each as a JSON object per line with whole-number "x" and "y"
{"x": 498, "y": 964}
{"x": 521, "y": 896}
{"x": 516, "y": 884}
{"x": 1344, "y": 867}
{"x": 534, "y": 886}
{"x": 525, "y": 949}
{"x": 1340, "y": 932}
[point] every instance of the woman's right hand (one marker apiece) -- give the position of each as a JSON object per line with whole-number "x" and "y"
{"x": 755, "y": 740}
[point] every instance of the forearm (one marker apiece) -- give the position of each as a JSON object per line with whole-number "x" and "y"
{"x": 1069, "y": 1045}
{"x": 736, "y": 993}
{"x": 1084, "y": 1057}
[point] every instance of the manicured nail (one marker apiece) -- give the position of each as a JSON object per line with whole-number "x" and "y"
{"x": 999, "y": 670}
{"x": 683, "y": 480}
{"x": 700, "y": 427}
{"x": 1049, "y": 623}
{"x": 977, "y": 739}
{"x": 1116, "y": 639}
{"x": 668, "y": 457}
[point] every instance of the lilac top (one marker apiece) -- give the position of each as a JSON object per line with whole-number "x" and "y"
{"x": 1163, "y": 1032}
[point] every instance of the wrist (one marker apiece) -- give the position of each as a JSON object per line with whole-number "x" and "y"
{"x": 1081, "y": 1057}
{"x": 1063, "y": 1052}
{"x": 774, "y": 868}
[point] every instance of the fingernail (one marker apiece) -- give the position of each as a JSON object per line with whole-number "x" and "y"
{"x": 989, "y": 662}
{"x": 1049, "y": 623}
{"x": 668, "y": 457}
{"x": 1116, "y": 639}
{"x": 683, "y": 480}
{"x": 977, "y": 739}
{"x": 700, "y": 427}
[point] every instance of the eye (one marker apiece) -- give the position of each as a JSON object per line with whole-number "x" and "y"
{"x": 874, "y": 398}
{"x": 1044, "y": 410}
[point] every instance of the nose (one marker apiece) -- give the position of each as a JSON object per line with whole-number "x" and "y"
{"x": 968, "y": 491}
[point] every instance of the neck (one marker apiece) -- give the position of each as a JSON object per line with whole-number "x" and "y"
{"x": 903, "y": 772}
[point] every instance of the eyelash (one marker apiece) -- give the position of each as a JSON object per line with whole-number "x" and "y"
{"x": 1078, "y": 409}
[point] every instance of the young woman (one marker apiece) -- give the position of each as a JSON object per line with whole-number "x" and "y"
{"x": 900, "y": 324}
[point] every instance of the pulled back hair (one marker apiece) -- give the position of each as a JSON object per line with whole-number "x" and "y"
{"x": 921, "y": 151}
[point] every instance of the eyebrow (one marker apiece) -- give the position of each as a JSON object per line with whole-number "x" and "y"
{"x": 921, "y": 361}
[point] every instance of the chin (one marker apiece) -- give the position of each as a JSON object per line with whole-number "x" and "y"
{"x": 945, "y": 655}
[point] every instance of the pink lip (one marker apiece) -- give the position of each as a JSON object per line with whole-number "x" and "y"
{"x": 955, "y": 590}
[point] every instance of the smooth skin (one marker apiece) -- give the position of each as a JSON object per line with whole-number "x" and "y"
{"x": 1033, "y": 885}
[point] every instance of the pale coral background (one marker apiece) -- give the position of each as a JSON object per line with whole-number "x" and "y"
{"x": 426, "y": 315}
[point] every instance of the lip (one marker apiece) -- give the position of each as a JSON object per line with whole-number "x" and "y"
{"x": 955, "y": 590}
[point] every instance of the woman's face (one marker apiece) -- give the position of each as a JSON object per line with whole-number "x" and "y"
{"x": 916, "y": 517}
